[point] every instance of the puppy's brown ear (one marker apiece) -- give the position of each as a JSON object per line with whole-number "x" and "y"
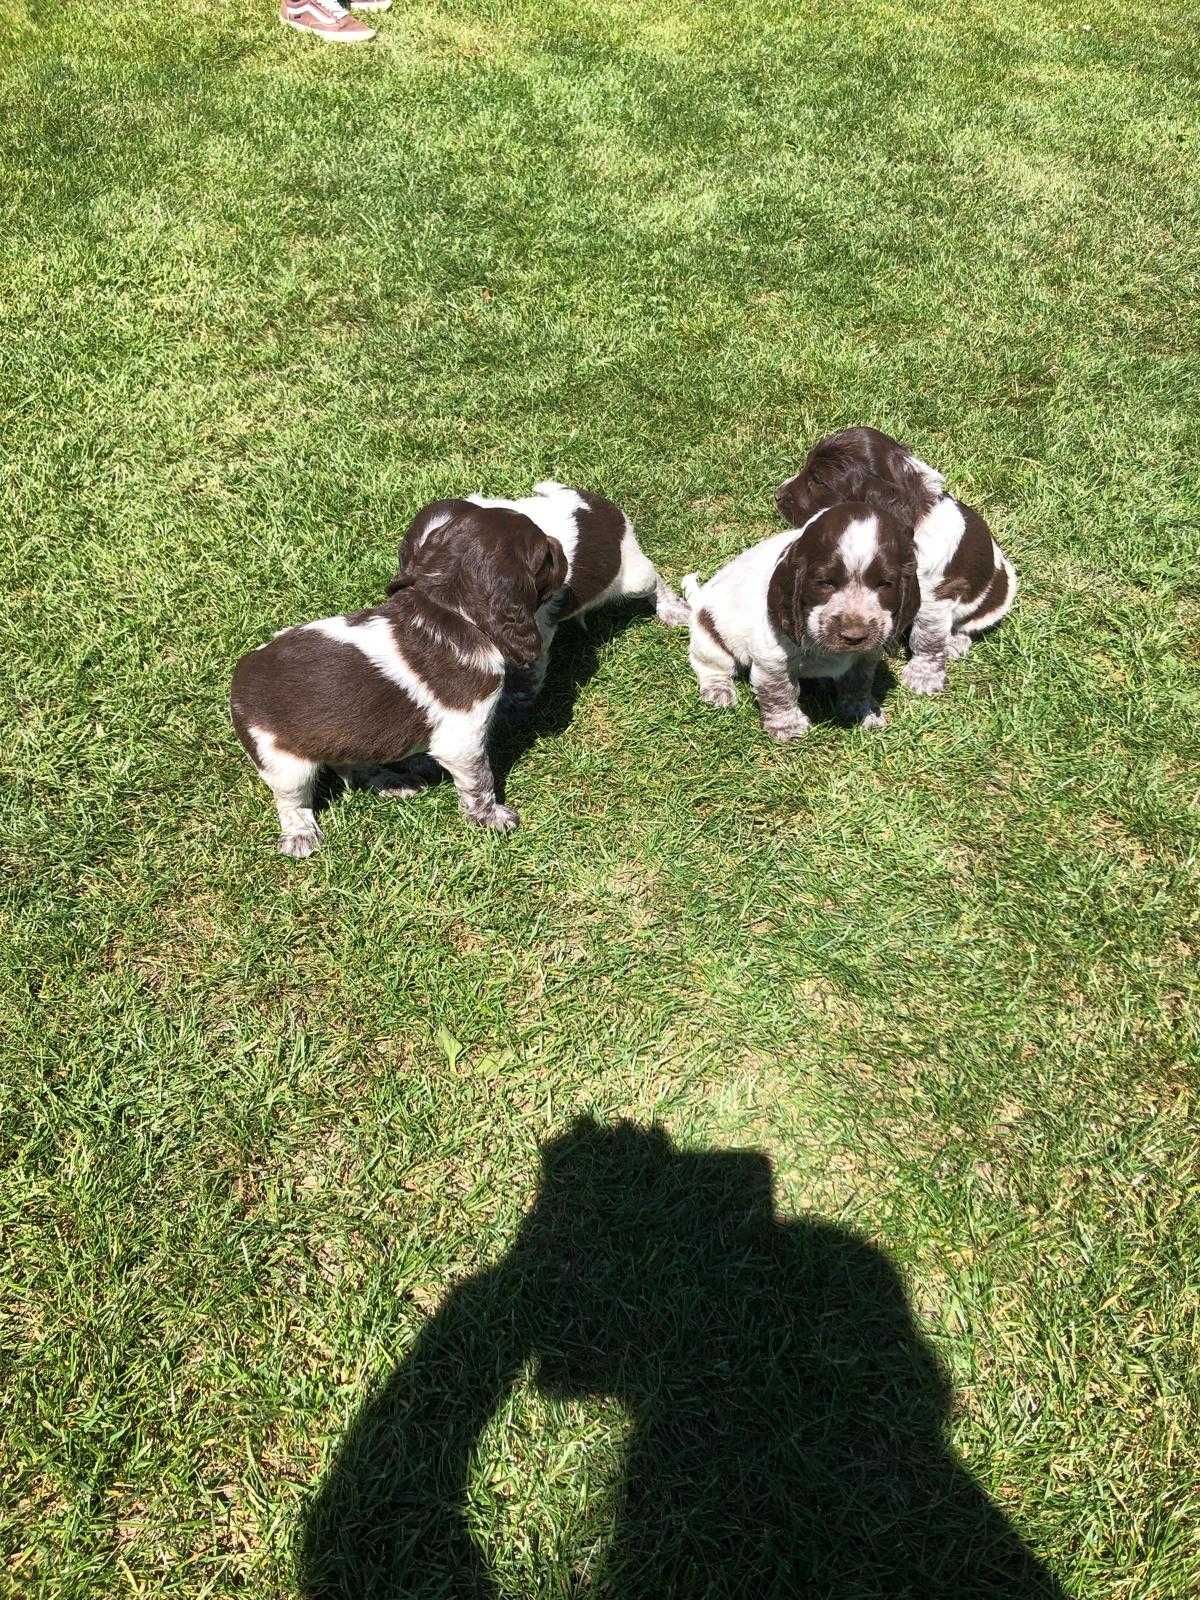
{"x": 785, "y": 592}
{"x": 508, "y": 621}
{"x": 910, "y": 597}
{"x": 511, "y": 580}
{"x": 514, "y": 628}
{"x": 552, "y": 571}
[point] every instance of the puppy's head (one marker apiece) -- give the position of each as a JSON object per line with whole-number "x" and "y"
{"x": 493, "y": 566}
{"x": 848, "y": 584}
{"x": 860, "y": 464}
{"x": 798, "y": 499}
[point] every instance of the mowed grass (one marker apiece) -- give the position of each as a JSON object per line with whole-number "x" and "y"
{"x": 272, "y": 1129}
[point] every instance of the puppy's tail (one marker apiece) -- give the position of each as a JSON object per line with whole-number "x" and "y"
{"x": 691, "y": 587}
{"x": 676, "y": 613}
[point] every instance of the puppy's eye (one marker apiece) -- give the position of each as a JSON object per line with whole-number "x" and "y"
{"x": 886, "y": 585}
{"x": 824, "y": 583}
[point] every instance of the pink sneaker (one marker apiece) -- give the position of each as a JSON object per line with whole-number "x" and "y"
{"x": 324, "y": 19}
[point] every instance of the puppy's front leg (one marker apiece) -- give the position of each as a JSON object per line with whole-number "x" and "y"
{"x": 855, "y": 702}
{"x": 472, "y": 774}
{"x": 930, "y": 644}
{"x": 778, "y": 704}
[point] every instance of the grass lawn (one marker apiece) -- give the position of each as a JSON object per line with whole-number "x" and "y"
{"x": 341, "y": 1253}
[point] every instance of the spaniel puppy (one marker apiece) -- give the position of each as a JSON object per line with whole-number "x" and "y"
{"x": 603, "y": 562}
{"x": 822, "y": 601}
{"x": 420, "y": 673}
{"x": 967, "y": 582}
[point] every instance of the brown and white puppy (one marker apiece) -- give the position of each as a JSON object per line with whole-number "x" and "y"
{"x": 822, "y": 601}
{"x": 422, "y": 672}
{"x": 967, "y": 582}
{"x": 603, "y": 562}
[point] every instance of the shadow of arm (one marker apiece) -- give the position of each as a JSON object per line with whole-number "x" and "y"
{"x": 390, "y": 1518}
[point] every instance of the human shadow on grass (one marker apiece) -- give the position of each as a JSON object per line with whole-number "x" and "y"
{"x": 787, "y": 1419}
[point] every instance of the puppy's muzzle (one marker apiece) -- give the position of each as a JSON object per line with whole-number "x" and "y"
{"x": 852, "y": 632}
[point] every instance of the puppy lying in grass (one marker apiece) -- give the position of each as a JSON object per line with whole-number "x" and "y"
{"x": 822, "y": 601}
{"x": 423, "y": 672}
{"x": 967, "y": 582}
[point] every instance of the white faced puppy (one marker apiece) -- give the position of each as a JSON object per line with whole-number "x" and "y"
{"x": 822, "y": 601}
{"x": 967, "y": 582}
{"x": 603, "y": 562}
{"x": 420, "y": 673}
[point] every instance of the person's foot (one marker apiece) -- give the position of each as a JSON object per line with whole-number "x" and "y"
{"x": 325, "y": 19}
{"x": 370, "y": 5}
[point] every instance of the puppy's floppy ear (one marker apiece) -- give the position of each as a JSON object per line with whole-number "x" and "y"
{"x": 512, "y": 580}
{"x": 507, "y": 617}
{"x": 514, "y": 628}
{"x": 909, "y": 602}
{"x": 785, "y": 592}
{"x": 552, "y": 570}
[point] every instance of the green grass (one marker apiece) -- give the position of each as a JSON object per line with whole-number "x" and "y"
{"x": 272, "y": 1130}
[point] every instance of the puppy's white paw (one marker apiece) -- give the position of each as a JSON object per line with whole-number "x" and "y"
{"x": 957, "y": 646}
{"x": 299, "y": 845}
{"x": 923, "y": 676}
{"x": 669, "y": 608}
{"x": 499, "y": 817}
{"x": 793, "y": 725}
{"x": 721, "y": 693}
{"x": 403, "y": 791}
{"x": 863, "y": 714}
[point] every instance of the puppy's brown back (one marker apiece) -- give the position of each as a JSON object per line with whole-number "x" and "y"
{"x": 324, "y": 700}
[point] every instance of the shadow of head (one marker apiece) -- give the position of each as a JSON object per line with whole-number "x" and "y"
{"x": 574, "y": 658}
{"x": 786, "y": 1416}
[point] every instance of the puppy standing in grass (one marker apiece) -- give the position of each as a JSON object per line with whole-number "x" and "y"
{"x": 421, "y": 673}
{"x": 604, "y": 562}
{"x": 822, "y": 601}
{"x": 967, "y": 582}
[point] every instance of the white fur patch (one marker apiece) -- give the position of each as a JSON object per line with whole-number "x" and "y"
{"x": 552, "y": 507}
{"x": 935, "y": 480}
{"x": 859, "y": 545}
{"x": 937, "y": 538}
{"x": 452, "y": 730}
{"x": 636, "y": 574}
{"x": 279, "y": 767}
{"x": 376, "y": 640}
{"x": 434, "y": 523}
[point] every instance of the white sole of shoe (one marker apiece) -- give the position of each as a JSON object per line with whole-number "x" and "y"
{"x": 328, "y": 38}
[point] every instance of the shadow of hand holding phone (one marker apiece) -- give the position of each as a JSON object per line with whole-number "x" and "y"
{"x": 787, "y": 1418}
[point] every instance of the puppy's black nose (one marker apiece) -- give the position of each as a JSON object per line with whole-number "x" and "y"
{"x": 852, "y": 633}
